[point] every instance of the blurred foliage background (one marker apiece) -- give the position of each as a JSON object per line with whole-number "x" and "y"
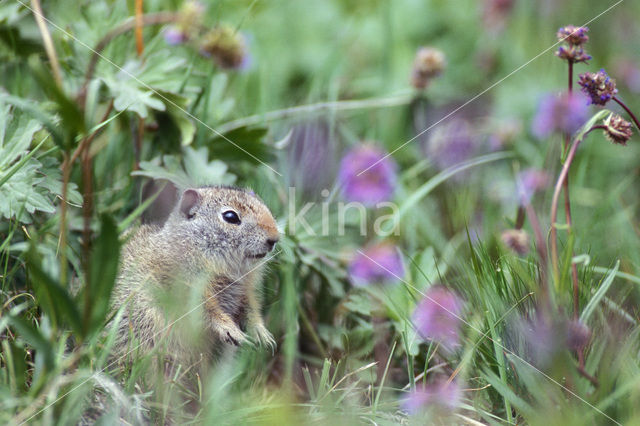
{"x": 271, "y": 95}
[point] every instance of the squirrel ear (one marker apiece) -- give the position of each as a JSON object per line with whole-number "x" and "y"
{"x": 190, "y": 199}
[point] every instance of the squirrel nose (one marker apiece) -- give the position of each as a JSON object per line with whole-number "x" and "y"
{"x": 271, "y": 242}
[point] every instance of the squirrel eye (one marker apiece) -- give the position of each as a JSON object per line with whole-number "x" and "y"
{"x": 231, "y": 217}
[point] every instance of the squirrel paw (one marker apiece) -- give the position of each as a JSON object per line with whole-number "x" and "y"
{"x": 263, "y": 336}
{"x": 230, "y": 333}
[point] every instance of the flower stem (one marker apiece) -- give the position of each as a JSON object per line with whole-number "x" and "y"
{"x": 567, "y": 207}
{"x": 574, "y": 269}
{"x": 520, "y": 217}
{"x": 570, "y": 77}
{"x": 83, "y": 150}
{"x": 62, "y": 242}
{"x": 138, "y": 29}
{"x": 583, "y": 372}
{"x": 556, "y": 195}
{"x": 626, "y": 108}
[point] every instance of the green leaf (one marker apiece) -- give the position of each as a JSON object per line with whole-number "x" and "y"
{"x": 597, "y": 297}
{"x": 52, "y": 182}
{"x": 218, "y": 106}
{"x": 32, "y": 336}
{"x": 92, "y": 101}
{"x": 128, "y": 96}
{"x": 149, "y": 84}
{"x": 69, "y": 111}
{"x": 10, "y": 34}
{"x": 36, "y": 112}
{"x": 176, "y": 107}
{"x": 154, "y": 170}
{"x": 242, "y": 144}
{"x": 54, "y": 300}
{"x": 16, "y": 368}
{"x": 197, "y": 169}
{"x": 27, "y": 185}
{"x": 591, "y": 122}
{"x": 408, "y": 204}
{"x": 426, "y": 269}
{"x": 359, "y": 303}
{"x": 103, "y": 272}
{"x": 203, "y": 172}
{"x": 16, "y": 134}
{"x": 509, "y": 395}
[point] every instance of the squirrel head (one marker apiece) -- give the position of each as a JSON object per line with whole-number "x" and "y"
{"x": 226, "y": 224}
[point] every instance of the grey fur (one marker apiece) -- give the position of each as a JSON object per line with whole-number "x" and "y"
{"x": 196, "y": 256}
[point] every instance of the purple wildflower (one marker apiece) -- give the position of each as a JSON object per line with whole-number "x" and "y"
{"x": 617, "y": 129}
{"x": 367, "y": 175}
{"x": 437, "y": 317}
{"x": 451, "y": 143}
{"x": 565, "y": 113}
{"x": 529, "y": 182}
{"x": 440, "y": 394}
{"x": 573, "y": 54}
{"x": 572, "y": 35}
{"x": 379, "y": 263}
{"x": 598, "y": 86}
{"x": 573, "y": 39}
{"x": 174, "y": 36}
{"x": 578, "y": 335}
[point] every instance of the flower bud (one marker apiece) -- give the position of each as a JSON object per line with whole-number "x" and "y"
{"x": 225, "y": 45}
{"x": 429, "y": 63}
{"x": 573, "y": 39}
{"x": 598, "y": 86}
{"x": 572, "y": 35}
{"x": 617, "y": 129}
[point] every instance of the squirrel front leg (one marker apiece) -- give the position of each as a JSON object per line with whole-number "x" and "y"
{"x": 255, "y": 323}
{"x": 222, "y": 324}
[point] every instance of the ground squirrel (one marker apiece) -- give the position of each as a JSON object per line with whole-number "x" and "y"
{"x": 207, "y": 258}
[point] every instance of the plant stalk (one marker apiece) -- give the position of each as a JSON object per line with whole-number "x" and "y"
{"x": 626, "y": 108}
{"x": 62, "y": 242}
{"x": 87, "y": 210}
{"x": 520, "y": 218}
{"x": 567, "y": 209}
{"x": 556, "y": 195}
{"x": 48, "y": 42}
{"x": 139, "y": 26}
{"x": 583, "y": 372}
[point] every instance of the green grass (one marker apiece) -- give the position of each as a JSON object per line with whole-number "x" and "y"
{"x": 345, "y": 354}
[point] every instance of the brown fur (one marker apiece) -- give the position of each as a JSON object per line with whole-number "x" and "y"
{"x": 196, "y": 262}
